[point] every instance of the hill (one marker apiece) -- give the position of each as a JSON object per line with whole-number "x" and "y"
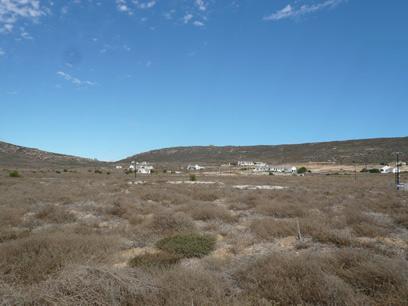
{"x": 18, "y": 156}
{"x": 342, "y": 152}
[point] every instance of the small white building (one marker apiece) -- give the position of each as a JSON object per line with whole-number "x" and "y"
{"x": 195, "y": 168}
{"x": 386, "y": 169}
{"x": 396, "y": 170}
{"x": 293, "y": 169}
{"x": 142, "y": 168}
{"x": 246, "y": 163}
{"x": 262, "y": 168}
{"x": 118, "y": 167}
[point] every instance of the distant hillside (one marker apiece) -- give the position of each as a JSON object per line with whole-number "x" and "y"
{"x": 342, "y": 152}
{"x": 17, "y": 156}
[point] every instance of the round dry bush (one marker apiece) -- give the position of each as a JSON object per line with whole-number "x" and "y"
{"x": 183, "y": 286}
{"x": 286, "y": 279}
{"x": 55, "y": 214}
{"x": 206, "y": 212}
{"x": 190, "y": 245}
{"x": 269, "y": 228}
{"x": 33, "y": 259}
{"x": 169, "y": 223}
{"x": 92, "y": 285}
{"x": 383, "y": 279}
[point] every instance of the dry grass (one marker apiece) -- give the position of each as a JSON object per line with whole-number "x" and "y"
{"x": 285, "y": 279}
{"x": 32, "y": 259}
{"x": 206, "y": 212}
{"x": 55, "y": 214}
{"x": 167, "y": 223}
{"x": 80, "y": 238}
{"x": 269, "y": 228}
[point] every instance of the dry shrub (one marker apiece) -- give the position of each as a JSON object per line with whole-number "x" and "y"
{"x": 167, "y": 222}
{"x": 55, "y": 214}
{"x": 383, "y": 279}
{"x": 204, "y": 194}
{"x": 206, "y": 212}
{"x": 251, "y": 198}
{"x": 163, "y": 195}
{"x": 186, "y": 287}
{"x": 117, "y": 209}
{"x": 322, "y": 230}
{"x": 88, "y": 285}
{"x": 11, "y": 216}
{"x": 33, "y": 259}
{"x": 278, "y": 209}
{"x": 363, "y": 224}
{"x": 285, "y": 279}
{"x": 402, "y": 219}
{"x": 7, "y": 234}
{"x": 269, "y": 228}
{"x": 10, "y": 295}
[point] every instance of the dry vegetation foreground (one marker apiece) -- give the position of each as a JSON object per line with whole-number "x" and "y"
{"x": 85, "y": 238}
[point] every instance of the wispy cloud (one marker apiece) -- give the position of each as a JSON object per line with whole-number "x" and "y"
{"x": 187, "y": 18}
{"x": 128, "y": 6}
{"x": 144, "y": 4}
{"x": 2, "y": 52}
{"x": 291, "y": 11}
{"x": 193, "y": 12}
{"x": 74, "y": 80}
{"x": 201, "y": 4}
{"x": 11, "y": 11}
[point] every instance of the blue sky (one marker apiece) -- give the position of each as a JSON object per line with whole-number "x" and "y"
{"x": 108, "y": 79}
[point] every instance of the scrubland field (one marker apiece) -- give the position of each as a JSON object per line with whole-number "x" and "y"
{"x": 85, "y": 238}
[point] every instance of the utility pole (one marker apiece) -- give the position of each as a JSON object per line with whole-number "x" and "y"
{"x": 397, "y": 172}
{"x": 355, "y": 170}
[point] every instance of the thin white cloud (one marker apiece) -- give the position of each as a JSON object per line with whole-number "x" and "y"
{"x": 192, "y": 12}
{"x": 122, "y": 6}
{"x": 290, "y": 11}
{"x": 187, "y": 18}
{"x": 74, "y": 80}
{"x": 11, "y": 11}
{"x": 127, "y": 6}
{"x": 2, "y": 52}
{"x": 198, "y": 23}
{"x": 144, "y": 4}
{"x": 202, "y": 6}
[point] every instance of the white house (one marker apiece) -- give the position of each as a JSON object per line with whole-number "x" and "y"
{"x": 246, "y": 163}
{"x": 293, "y": 169}
{"x": 396, "y": 170}
{"x": 118, "y": 167}
{"x": 142, "y": 168}
{"x": 195, "y": 168}
{"x": 386, "y": 169}
{"x": 262, "y": 168}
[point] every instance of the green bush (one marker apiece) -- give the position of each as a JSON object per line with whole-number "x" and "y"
{"x": 193, "y": 177}
{"x": 302, "y": 170}
{"x": 161, "y": 259}
{"x": 190, "y": 245}
{"x": 65, "y": 170}
{"x": 14, "y": 174}
{"x": 374, "y": 171}
{"x": 98, "y": 171}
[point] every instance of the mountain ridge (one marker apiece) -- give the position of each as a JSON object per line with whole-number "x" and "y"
{"x": 12, "y": 155}
{"x": 374, "y": 150}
